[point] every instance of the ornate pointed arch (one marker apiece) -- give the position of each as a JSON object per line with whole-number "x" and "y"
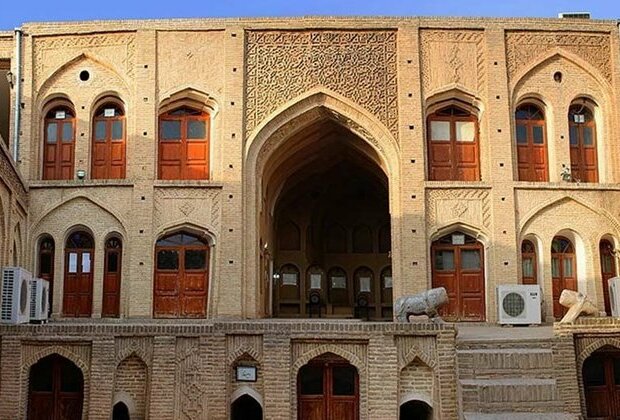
{"x": 191, "y": 97}
{"x": 455, "y": 95}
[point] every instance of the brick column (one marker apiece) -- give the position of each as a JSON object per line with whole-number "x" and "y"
{"x": 10, "y": 376}
{"x": 445, "y": 372}
{"x": 213, "y": 350}
{"x": 277, "y": 377}
{"x": 161, "y": 399}
{"x": 382, "y": 379}
{"x": 102, "y": 371}
{"x": 565, "y": 366}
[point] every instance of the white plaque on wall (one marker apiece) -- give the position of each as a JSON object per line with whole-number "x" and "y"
{"x": 315, "y": 281}
{"x": 339, "y": 282}
{"x": 108, "y": 112}
{"x": 387, "y": 282}
{"x": 458, "y": 239}
{"x": 289, "y": 279}
{"x": 364, "y": 284}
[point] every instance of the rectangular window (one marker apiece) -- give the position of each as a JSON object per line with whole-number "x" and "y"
{"x": 567, "y": 267}
{"x": 196, "y": 130}
{"x": 171, "y": 130}
{"x": 311, "y": 380}
{"x": 555, "y": 267}
{"x": 607, "y": 264}
{"x": 573, "y": 135}
{"x": 45, "y": 264}
{"x": 195, "y": 259}
{"x": 465, "y": 131}
{"x": 112, "y": 262}
{"x": 67, "y": 132}
{"x": 52, "y": 133}
{"x": 594, "y": 375}
{"x": 539, "y": 136}
{"x": 117, "y": 130}
{"x": 528, "y": 267}
{"x": 86, "y": 262}
{"x": 444, "y": 260}
{"x": 470, "y": 259}
{"x": 588, "y": 137}
{"x": 440, "y": 131}
{"x": 167, "y": 259}
{"x": 521, "y": 134}
{"x": 343, "y": 380}
{"x": 72, "y": 262}
{"x": 100, "y": 130}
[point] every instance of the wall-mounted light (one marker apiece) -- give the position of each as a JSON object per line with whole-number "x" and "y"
{"x": 81, "y": 174}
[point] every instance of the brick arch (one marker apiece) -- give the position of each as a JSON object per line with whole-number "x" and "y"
{"x": 202, "y": 230}
{"x": 415, "y": 353}
{"x": 243, "y": 351}
{"x": 191, "y": 96}
{"x": 583, "y": 356}
{"x": 129, "y": 352}
{"x": 474, "y": 231}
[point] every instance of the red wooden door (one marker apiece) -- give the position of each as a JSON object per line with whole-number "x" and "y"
{"x": 181, "y": 277}
{"x": 453, "y": 146}
{"x": 184, "y": 144}
{"x": 46, "y": 265}
{"x": 608, "y": 270}
{"x": 78, "y": 284}
{"x": 563, "y": 271}
{"x": 108, "y": 143}
{"x": 458, "y": 265}
{"x": 531, "y": 144}
{"x": 601, "y": 379}
{"x": 582, "y": 135}
{"x": 58, "y": 149}
{"x": 112, "y": 278}
{"x": 529, "y": 266}
{"x": 56, "y": 388}
{"x": 328, "y": 390}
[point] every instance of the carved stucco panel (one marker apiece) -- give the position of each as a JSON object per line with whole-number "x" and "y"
{"x": 445, "y": 207}
{"x": 195, "y": 204}
{"x": 360, "y": 65}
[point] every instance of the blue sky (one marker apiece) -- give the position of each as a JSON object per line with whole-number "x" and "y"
{"x": 14, "y": 12}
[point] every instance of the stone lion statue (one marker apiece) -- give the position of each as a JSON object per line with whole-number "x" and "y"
{"x": 578, "y": 304}
{"x": 425, "y": 303}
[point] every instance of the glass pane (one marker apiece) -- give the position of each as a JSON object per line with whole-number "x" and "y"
{"x": 100, "y": 131}
{"x": 470, "y": 259}
{"x": 594, "y": 372}
{"x": 440, "y": 130}
{"x": 567, "y": 267}
{"x": 555, "y": 267}
{"x": 45, "y": 263}
{"x": 67, "y": 132}
{"x": 311, "y": 380}
{"x": 86, "y": 262}
{"x": 117, "y": 130}
{"x": 73, "y": 262}
{"x": 528, "y": 267}
{"x": 343, "y": 380}
{"x": 444, "y": 260}
{"x": 588, "y": 136}
{"x": 617, "y": 371}
{"x": 41, "y": 376}
{"x": 539, "y": 136}
{"x": 195, "y": 259}
{"x": 607, "y": 263}
{"x": 167, "y": 259}
{"x": 573, "y": 135}
{"x": 196, "y": 129}
{"x": 71, "y": 378}
{"x": 52, "y": 133}
{"x": 170, "y": 130}
{"x": 465, "y": 131}
{"x": 112, "y": 262}
{"x": 521, "y": 134}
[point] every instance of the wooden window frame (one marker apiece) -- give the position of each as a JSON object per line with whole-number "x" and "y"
{"x": 578, "y": 169}
{"x": 559, "y": 310}
{"x": 107, "y": 167}
{"x": 530, "y": 146}
{"x": 529, "y": 254}
{"x": 56, "y": 164}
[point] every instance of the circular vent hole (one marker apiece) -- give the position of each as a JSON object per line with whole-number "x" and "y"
{"x": 557, "y": 76}
{"x": 513, "y": 304}
{"x": 84, "y": 75}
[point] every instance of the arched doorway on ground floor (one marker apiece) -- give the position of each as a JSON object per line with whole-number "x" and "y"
{"x": 415, "y": 410}
{"x": 120, "y": 412}
{"x": 563, "y": 271}
{"x": 246, "y": 408}
{"x": 608, "y": 269}
{"x": 56, "y": 390}
{"x": 328, "y": 389}
{"x": 601, "y": 383}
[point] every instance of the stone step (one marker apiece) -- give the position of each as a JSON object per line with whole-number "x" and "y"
{"x": 518, "y": 394}
{"x": 489, "y": 363}
{"x": 518, "y": 416}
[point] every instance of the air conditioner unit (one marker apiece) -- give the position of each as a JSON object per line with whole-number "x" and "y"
{"x": 15, "y": 305}
{"x": 39, "y": 300}
{"x": 519, "y": 304}
{"x": 614, "y": 295}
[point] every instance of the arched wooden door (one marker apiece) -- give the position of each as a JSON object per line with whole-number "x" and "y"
{"x": 78, "y": 284}
{"x": 56, "y": 390}
{"x": 181, "y": 277}
{"x": 458, "y": 265}
{"x": 531, "y": 143}
{"x": 328, "y": 389}
{"x": 58, "y": 151}
{"x": 582, "y": 136}
{"x": 112, "y": 278}
{"x": 601, "y": 382}
{"x": 563, "y": 271}
{"x": 608, "y": 269}
{"x": 108, "y": 143}
{"x": 46, "y": 264}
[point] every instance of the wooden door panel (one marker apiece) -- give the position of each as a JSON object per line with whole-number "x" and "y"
{"x": 343, "y": 409}
{"x": 598, "y": 403}
{"x": 472, "y": 308}
{"x": 167, "y": 283}
{"x": 193, "y": 306}
{"x": 69, "y": 408}
{"x": 441, "y": 153}
{"x": 466, "y": 153}
{"x": 41, "y": 405}
{"x": 311, "y": 408}
{"x": 166, "y": 306}
{"x": 197, "y": 152}
{"x": 471, "y": 283}
{"x": 194, "y": 281}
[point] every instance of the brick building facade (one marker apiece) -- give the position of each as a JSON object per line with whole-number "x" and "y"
{"x": 231, "y": 170}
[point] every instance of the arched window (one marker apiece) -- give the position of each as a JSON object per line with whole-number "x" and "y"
{"x": 563, "y": 271}
{"x": 288, "y": 291}
{"x": 339, "y": 288}
{"x": 531, "y": 143}
{"x": 528, "y": 263}
{"x": 46, "y": 263}
{"x": 362, "y": 239}
{"x": 109, "y": 134}
{"x": 58, "y": 150}
{"x": 78, "y": 284}
{"x": 184, "y": 144}
{"x": 336, "y": 239}
{"x": 289, "y": 237}
{"x": 582, "y": 135}
{"x": 608, "y": 269}
{"x": 181, "y": 276}
{"x": 453, "y": 145}
{"x": 112, "y": 278}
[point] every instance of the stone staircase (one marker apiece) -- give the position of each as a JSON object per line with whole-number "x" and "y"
{"x": 508, "y": 378}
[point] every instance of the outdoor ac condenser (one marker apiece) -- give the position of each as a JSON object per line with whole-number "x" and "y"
{"x": 15, "y": 305}
{"x": 519, "y": 304}
{"x": 39, "y": 300}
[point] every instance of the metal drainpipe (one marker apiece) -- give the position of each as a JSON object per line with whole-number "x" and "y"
{"x": 18, "y": 93}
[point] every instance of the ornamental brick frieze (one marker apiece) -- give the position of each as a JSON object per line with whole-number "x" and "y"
{"x": 447, "y": 206}
{"x": 200, "y": 204}
{"x": 524, "y": 49}
{"x": 282, "y": 65}
{"x": 9, "y": 176}
{"x": 118, "y": 50}
{"x": 452, "y": 57}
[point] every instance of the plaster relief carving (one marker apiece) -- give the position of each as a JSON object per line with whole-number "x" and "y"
{"x": 360, "y": 65}
{"x": 201, "y": 204}
{"x": 471, "y": 206}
